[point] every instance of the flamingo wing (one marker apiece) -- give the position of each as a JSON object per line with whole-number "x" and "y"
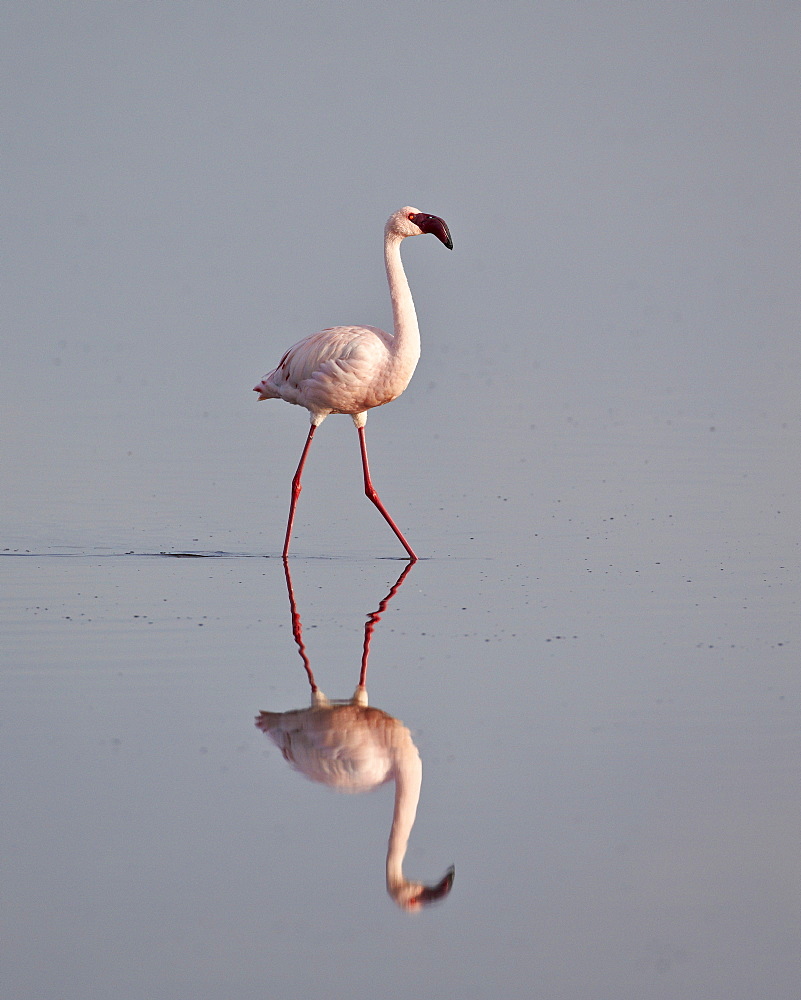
{"x": 344, "y": 747}
{"x": 338, "y": 370}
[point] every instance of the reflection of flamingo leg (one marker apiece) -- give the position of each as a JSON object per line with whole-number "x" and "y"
{"x": 372, "y": 620}
{"x": 374, "y": 617}
{"x": 297, "y": 627}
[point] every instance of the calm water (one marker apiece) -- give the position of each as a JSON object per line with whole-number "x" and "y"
{"x": 597, "y": 656}
{"x": 600, "y": 673}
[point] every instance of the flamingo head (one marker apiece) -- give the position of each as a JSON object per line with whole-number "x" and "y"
{"x": 414, "y": 896}
{"x": 409, "y": 221}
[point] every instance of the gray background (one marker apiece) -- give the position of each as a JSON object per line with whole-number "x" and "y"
{"x": 597, "y": 458}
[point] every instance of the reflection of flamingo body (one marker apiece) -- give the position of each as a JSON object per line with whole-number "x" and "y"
{"x": 351, "y": 369}
{"x": 354, "y": 748}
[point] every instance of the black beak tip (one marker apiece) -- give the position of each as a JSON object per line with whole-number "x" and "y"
{"x": 439, "y": 891}
{"x": 436, "y": 226}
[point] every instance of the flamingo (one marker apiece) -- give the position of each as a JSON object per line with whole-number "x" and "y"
{"x": 351, "y": 369}
{"x": 352, "y": 747}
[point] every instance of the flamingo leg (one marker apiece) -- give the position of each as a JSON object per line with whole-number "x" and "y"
{"x": 371, "y": 494}
{"x": 296, "y": 488}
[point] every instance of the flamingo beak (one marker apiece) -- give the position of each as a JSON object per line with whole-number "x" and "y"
{"x": 434, "y": 225}
{"x": 431, "y": 893}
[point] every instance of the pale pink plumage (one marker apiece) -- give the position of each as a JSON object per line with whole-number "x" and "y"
{"x": 344, "y": 369}
{"x": 352, "y": 369}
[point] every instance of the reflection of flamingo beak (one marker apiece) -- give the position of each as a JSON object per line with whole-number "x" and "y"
{"x": 431, "y": 893}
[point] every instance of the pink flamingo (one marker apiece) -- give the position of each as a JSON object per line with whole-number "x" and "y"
{"x": 351, "y": 369}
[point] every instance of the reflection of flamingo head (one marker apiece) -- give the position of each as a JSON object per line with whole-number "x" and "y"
{"x": 414, "y": 896}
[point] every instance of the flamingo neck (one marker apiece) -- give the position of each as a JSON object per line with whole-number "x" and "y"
{"x": 408, "y": 779}
{"x": 406, "y": 342}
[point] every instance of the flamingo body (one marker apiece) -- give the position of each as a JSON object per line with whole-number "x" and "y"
{"x": 344, "y": 369}
{"x": 353, "y": 369}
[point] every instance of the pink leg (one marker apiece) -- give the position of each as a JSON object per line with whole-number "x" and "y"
{"x": 296, "y": 488}
{"x": 370, "y": 493}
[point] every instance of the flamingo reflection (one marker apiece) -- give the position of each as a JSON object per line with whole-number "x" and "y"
{"x": 355, "y": 748}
